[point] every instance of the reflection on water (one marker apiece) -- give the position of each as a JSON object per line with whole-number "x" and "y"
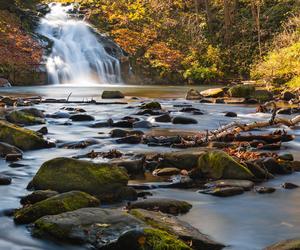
{"x": 246, "y": 222}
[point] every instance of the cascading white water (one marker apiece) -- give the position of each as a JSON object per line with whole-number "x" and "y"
{"x": 77, "y": 57}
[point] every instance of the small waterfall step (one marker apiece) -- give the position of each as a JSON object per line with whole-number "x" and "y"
{"x": 77, "y": 56}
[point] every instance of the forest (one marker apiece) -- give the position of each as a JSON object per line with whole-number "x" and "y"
{"x": 179, "y": 42}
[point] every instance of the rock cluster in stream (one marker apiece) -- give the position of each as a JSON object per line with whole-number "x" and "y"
{"x": 67, "y": 192}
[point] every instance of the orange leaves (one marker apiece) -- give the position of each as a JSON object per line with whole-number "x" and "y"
{"x": 17, "y": 48}
{"x": 161, "y": 55}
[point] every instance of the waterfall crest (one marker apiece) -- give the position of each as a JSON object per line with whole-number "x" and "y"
{"x": 77, "y": 57}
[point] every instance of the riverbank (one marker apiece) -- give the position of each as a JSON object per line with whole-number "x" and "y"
{"x": 223, "y": 219}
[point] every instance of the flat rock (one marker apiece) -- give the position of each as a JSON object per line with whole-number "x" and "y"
{"x": 131, "y": 139}
{"x": 142, "y": 124}
{"x": 96, "y": 226}
{"x": 216, "y": 92}
{"x": 166, "y": 171}
{"x": 244, "y": 184}
{"x": 79, "y": 144}
{"x": 292, "y": 244}
{"x": 223, "y": 191}
{"x": 164, "y": 205}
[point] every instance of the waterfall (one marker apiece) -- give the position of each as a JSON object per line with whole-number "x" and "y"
{"x": 77, "y": 57}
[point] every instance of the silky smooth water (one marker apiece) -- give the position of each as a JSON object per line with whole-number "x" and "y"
{"x": 77, "y": 57}
{"x": 246, "y": 222}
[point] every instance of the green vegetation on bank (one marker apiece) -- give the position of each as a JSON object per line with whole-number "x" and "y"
{"x": 186, "y": 41}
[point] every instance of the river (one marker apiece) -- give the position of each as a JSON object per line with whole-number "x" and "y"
{"x": 246, "y": 222}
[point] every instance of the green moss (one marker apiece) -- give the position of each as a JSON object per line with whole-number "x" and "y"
{"x": 241, "y": 91}
{"x": 217, "y": 164}
{"x": 66, "y": 174}
{"x": 160, "y": 240}
{"x": 20, "y": 117}
{"x": 55, "y": 205}
{"x": 22, "y": 138}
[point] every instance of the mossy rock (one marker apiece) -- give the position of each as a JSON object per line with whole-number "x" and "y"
{"x": 262, "y": 95}
{"x": 55, "y": 205}
{"x": 67, "y": 174}
{"x": 151, "y": 105}
{"x": 174, "y": 226}
{"x": 241, "y": 91}
{"x": 149, "y": 239}
{"x": 37, "y": 196}
{"x": 216, "y": 92}
{"x": 292, "y": 244}
{"x": 217, "y": 164}
{"x": 22, "y": 138}
{"x": 24, "y": 118}
{"x": 112, "y": 94}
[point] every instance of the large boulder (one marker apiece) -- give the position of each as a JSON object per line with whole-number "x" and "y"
{"x": 112, "y": 94}
{"x": 96, "y": 226}
{"x": 22, "y": 138}
{"x": 216, "y": 92}
{"x": 292, "y": 244}
{"x": 241, "y": 91}
{"x": 24, "y": 118}
{"x": 177, "y": 227}
{"x": 217, "y": 164}
{"x": 169, "y": 206}
{"x": 55, "y": 205}
{"x": 67, "y": 174}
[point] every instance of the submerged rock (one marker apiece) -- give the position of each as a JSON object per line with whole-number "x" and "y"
{"x": 22, "y": 138}
{"x": 177, "y": 227}
{"x": 5, "y": 180}
{"x": 79, "y": 144}
{"x": 142, "y": 124}
{"x": 37, "y": 196}
{"x": 112, "y": 94}
{"x": 244, "y": 184}
{"x": 20, "y": 117}
{"x": 55, "y": 205}
{"x": 81, "y": 118}
{"x": 292, "y": 244}
{"x": 184, "y": 120}
{"x": 131, "y": 139}
{"x": 217, "y": 164}
{"x": 96, "y": 226}
{"x": 164, "y": 205}
{"x": 67, "y": 174}
{"x": 223, "y": 191}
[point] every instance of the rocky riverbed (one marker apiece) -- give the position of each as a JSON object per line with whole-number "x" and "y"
{"x": 120, "y": 165}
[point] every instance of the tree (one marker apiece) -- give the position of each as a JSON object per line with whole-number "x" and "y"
{"x": 255, "y": 8}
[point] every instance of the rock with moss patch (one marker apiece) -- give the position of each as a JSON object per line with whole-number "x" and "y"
{"x": 216, "y": 92}
{"x": 176, "y": 227}
{"x": 22, "y": 138}
{"x": 67, "y": 174}
{"x": 151, "y": 105}
{"x": 217, "y": 164}
{"x": 241, "y": 91}
{"x": 55, "y": 205}
{"x": 24, "y": 118}
{"x": 169, "y": 206}
{"x": 262, "y": 95}
{"x": 96, "y": 226}
{"x": 149, "y": 239}
{"x": 292, "y": 244}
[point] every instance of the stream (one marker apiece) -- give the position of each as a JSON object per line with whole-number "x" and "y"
{"x": 246, "y": 222}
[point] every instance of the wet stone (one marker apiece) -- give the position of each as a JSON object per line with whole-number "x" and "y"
{"x": 223, "y": 191}
{"x": 288, "y": 185}
{"x": 265, "y": 190}
{"x": 5, "y": 180}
